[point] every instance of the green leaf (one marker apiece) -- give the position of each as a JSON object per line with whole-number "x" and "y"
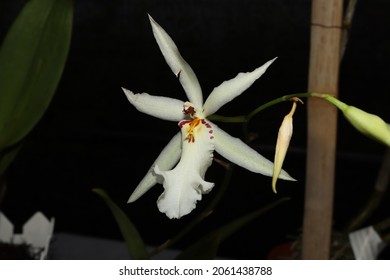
{"x": 32, "y": 59}
{"x": 133, "y": 240}
{"x": 207, "y": 246}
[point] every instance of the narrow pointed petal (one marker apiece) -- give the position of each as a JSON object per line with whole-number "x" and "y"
{"x": 178, "y": 65}
{"x": 230, "y": 89}
{"x": 161, "y": 107}
{"x": 185, "y": 184}
{"x": 168, "y": 157}
{"x": 236, "y": 151}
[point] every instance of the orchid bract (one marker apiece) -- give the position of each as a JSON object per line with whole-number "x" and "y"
{"x": 182, "y": 164}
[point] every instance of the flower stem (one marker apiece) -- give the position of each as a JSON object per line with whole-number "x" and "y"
{"x": 279, "y": 100}
{"x": 246, "y": 118}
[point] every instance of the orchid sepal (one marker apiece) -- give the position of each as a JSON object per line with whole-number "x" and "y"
{"x": 178, "y": 65}
{"x": 161, "y": 107}
{"x": 232, "y": 88}
{"x": 168, "y": 157}
{"x": 236, "y": 151}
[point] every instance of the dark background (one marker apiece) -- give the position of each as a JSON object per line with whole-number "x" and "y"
{"x": 92, "y": 137}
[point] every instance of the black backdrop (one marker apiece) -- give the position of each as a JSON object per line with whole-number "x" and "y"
{"x": 91, "y": 137}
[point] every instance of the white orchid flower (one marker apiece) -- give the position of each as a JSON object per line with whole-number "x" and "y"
{"x": 182, "y": 164}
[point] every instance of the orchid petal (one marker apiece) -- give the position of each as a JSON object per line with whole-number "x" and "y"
{"x": 161, "y": 107}
{"x": 236, "y": 151}
{"x": 178, "y": 65}
{"x": 168, "y": 157}
{"x": 230, "y": 89}
{"x": 185, "y": 184}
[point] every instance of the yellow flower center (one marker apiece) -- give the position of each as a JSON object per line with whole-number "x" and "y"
{"x": 190, "y": 137}
{"x": 188, "y": 109}
{"x": 192, "y": 125}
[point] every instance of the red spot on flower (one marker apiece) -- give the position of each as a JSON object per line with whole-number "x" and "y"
{"x": 183, "y": 123}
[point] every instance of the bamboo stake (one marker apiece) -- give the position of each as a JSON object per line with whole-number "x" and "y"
{"x": 322, "y": 128}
